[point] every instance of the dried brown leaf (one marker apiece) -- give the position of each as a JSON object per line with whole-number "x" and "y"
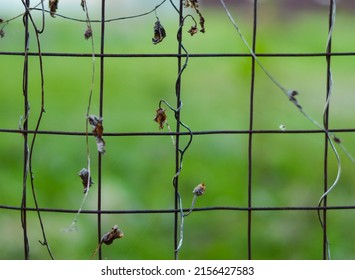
{"x": 96, "y": 124}
{"x": 110, "y": 236}
{"x": 159, "y": 33}
{"x": 195, "y": 5}
{"x": 202, "y": 21}
{"x": 85, "y": 179}
{"x": 193, "y": 30}
{"x": 53, "y": 6}
{"x": 160, "y": 117}
{"x": 97, "y": 130}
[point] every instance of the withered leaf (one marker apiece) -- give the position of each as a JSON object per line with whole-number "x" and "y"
{"x": 110, "y": 236}
{"x": 85, "y": 179}
{"x": 88, "y": 33}
{"x": 159, "y": 33}
{"x": 100, "y": 143}
{"x": 160, "y": 117}
{"x": 193, "y": 30}
{"x": 336, "y": 139}
{"x": 82, "y": 4}
{"x": 53, "y": 6}
{"x": 191, "y": 3}
{"x": 97, "y": 130}
{"x": 292, "y": 97}
{"x": 96, "y": 125}
{"x": 194, "y": 5}
{"x": 202, "y": 21}
{"x": 199, "y": 189}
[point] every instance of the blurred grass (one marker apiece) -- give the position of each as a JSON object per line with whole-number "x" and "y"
{"x": 137, "y": 171}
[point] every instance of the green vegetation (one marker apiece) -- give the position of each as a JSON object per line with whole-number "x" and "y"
{"x": 137, "y": 171}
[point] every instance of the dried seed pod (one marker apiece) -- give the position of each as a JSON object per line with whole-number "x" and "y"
{"x": 88, "y": 33}
{"x": 2, "y": 33}
{"x": 159, "y": 32}
{"x": 110, "y": 236}
{"x": 160, "y": 117}
{"x": 199, "y": 189}
{"x": 97, "y": 131}
{"x": 85, "y": 179}
{"x": 53, "y": 6}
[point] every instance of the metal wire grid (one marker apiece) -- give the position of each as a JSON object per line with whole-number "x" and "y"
{"x": 179, "y": 55}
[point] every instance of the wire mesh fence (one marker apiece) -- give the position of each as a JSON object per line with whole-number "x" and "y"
{"x": 183, "y": 129}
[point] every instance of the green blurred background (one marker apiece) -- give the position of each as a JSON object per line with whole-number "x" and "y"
{"x": 137, "y": 171}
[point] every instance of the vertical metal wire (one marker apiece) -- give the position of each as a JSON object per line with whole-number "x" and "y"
{"x": 250, "y": 142}
{"x": 177, "y": 139}
{"x": 102, "y": 75}
{"x": 326, "y": 127}
{"x": 25, "y": 135}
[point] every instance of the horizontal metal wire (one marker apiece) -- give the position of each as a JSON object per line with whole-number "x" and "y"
{"x": 164, "y": 211}
{"x": 204, "y": 55}
{"x": 171, "y": 133}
